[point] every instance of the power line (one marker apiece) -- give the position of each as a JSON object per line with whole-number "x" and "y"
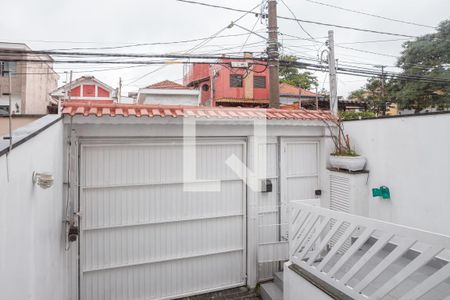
{"x": 199, "y": 45}
{"x": 373, "y": 41}
{"x": 302, "y": 38}
{"x": 151, "y": 44}
{"x": 250, "y": 33}
{"x": 104, "y": 54}
{"x": 302, "y": 20}
{"x": 366, "y": 51}
{"x": 298, "y": 22}
{"x": 354, "y": 71}
{"x": 371, "y": 15}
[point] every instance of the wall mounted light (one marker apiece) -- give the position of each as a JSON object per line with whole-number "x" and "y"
{"x": 44, "y": 180}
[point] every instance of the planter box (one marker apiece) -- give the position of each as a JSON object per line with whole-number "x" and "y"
{"x": 351, "y": 163}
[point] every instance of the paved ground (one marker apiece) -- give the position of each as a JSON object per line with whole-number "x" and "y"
{"x": 231, "y": 294}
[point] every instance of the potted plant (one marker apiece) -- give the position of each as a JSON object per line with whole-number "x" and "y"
{"x": 344, "y": 157}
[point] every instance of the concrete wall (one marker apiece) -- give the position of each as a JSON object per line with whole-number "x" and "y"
{"x": 30, "y": 91}
{"x": 17, "y": 121}
{"x": 411, "y": 156}
{"x": 39, "y": 87}
{"x": 296, "y": 287}
{"x": 32, "y": 256}
{"x": 172, "y": 99}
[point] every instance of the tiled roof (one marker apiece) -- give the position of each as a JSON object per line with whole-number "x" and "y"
{"x": 167, "y": 84}
{"x": 239, "y": 100}
{"x": 287, "y": 89}
{"x": 150, "y": 110}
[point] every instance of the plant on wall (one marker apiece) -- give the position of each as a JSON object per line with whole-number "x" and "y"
{"x": 344, "y": 156}
{"x": 341, "y": 141}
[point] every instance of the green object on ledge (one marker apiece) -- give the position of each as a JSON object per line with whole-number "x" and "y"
{"x": 382, "y": 191}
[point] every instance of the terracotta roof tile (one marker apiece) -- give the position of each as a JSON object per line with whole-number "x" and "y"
{"x": 167, "y": 84}
{"x": 287, "y": 89}
{"x": 94, "y": 108}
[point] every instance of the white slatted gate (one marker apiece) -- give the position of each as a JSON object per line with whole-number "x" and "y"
{"x": 143, "y": 237}
{"x": 299, "y": 178}
{"x": 299, "y": 174}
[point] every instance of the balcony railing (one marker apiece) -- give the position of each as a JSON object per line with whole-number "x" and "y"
{"x": 366, "y": 258}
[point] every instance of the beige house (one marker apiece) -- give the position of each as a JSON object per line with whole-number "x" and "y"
{"x": 31, "y": 81}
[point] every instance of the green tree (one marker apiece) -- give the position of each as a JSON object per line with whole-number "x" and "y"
{"x": 426, "y": 56}
{"x": 371, "y": 94}
{"x": 291, "y": 75}
{"x": 358, "y": 94}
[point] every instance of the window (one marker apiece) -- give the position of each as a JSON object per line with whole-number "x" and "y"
{"x": 6, "y": 66}
{"x": 259, "y": 82}
{"x": 236, "y": 80}
{"x": 4, "y": 110}
{"x": 205, "y": 87}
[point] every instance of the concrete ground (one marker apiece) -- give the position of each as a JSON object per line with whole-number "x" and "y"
{"x": 241, "y": 293}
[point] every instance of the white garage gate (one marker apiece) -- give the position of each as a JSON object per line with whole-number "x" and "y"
{"x": 143, "y": 237}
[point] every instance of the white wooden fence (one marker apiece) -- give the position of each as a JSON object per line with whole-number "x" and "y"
{"x": 366, "y": 258}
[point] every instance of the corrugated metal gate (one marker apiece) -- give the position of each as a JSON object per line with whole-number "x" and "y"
{"x": 143, "y": 237}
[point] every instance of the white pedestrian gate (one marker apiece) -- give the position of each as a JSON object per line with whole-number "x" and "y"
{"x": 299, "y": 174}
{"x": 299, "y": 179}
{"x": 143, "y": 237}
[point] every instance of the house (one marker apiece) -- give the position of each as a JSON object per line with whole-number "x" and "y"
{"x": 290, "y": 94}
{"x": 151, "y": 201}
{"x": 168, "y": 92}
{"x": 85, "y": 88}
{"x": 230, "y": 82}
{"x": 31, "y": 81}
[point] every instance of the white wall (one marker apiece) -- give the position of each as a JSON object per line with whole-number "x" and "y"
{"x": 32, "y": 256}
{"x": 411, "y": 156}
{"x": 172, "y": 99}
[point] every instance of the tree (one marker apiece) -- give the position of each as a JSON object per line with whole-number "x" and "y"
{"x": 292, "y": 75}
{"x": 371, "y": 94}
{"x": 427, "y": 56}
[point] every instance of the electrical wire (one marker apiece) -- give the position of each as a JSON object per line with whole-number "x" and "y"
{"x": 373, "y": 41}
{"x": 199, "y": 45}
{"x": 151, "y": 44}
{"x": 371, "y": 15}
{"x": 302, "y": 20}
{"x": 366, "y": 51}
{"x": 251, "y": 31}
{"x": 298, "y": 22}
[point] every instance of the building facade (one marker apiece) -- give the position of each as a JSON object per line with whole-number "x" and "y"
{"x": 230, "y": 82}
{"x": 85, "y": 88}
{"x": 31, "y": 81}
{"x": 168, "y": 92}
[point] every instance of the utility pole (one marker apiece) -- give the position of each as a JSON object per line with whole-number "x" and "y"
{"x": 70, "y": 85}
{"x": 317, "y": 98}
{"x": 383, "y": 89}
{"x": 273, "y": 56}
{"x": 332, "y": 70}
{"x": 383, "y": 95}
{"x": 119, "y": 90}
{"x": 333, "y": 79}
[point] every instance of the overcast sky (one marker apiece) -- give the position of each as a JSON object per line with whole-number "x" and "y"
{"x": 50, "y": 24}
